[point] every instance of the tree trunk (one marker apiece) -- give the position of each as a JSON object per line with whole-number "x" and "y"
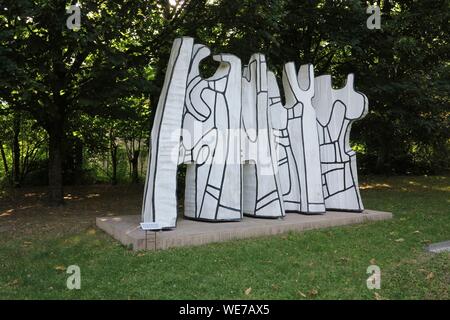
{"x": 16, "y": 152}
{"x": 56, "y": 195}
{"x": 78, "y": 161}
{"x": 113, "y": 147}
{"x": 114, "y": 164}
{"x": 5, "y": 162}
{"x": 381, "y": 160}
{"x": 134, "y": 166}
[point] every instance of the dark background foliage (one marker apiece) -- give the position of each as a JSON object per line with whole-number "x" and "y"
{"x": 79, "y": 104}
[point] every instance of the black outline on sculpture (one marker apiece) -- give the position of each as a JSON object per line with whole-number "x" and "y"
{"x": 340, "y": 144}
{"x": 195, "y": 100}
{"x": 223, "y": 73}
{"x": 255, "y": 90}
{"x": 180, "y": 46}
{"x": 298, "y": 98}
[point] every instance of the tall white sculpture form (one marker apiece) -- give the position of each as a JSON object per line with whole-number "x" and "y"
{"x": 246, "y": 152}
{"x": 262, "y": 194}
{"x": 295, "y": 128}
{"x": 211, "y": 117}
{"x": 161, "y": 211}
{"x": 336, "y": 111}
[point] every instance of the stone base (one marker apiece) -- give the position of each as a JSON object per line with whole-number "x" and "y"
{"x": 439, "y": 247}
{"x": 126, "y": 229}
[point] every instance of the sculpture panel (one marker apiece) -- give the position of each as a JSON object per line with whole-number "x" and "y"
{"x": 245, "y": 151}
{"x": 159, "y": 207}
{"x": 294, "y": 125}
{"x": 336, "y": 110}
{"x": 262, "y": 194}
{"x": 211, "y": 116}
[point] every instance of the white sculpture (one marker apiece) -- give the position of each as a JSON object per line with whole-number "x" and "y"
{"x": 336, "y": 111}
{"x": 159, "y": 207}
{"x": 212, "y": 111}
{"x": 246, "y": 152}
{"x": 295, "y": 128}
{"x": 262, "y": 194}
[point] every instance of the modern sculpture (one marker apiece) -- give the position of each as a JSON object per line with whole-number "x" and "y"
{"x": 336, "y": 111}
{"x": 246, "y": 152}
{"x": 262, "y": 196}
{"x": 294, "y": 125}
{"x": 212, "y": 177}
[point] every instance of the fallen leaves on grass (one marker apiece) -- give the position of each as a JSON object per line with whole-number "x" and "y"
{"x": 313, "y": 292}
{"x": 399, "y": 240}
{"x": 248, "y": 291}
{"x": 60, "y": 268}
{"x": 13, "y": 283}
{"x": 344, "y": 259}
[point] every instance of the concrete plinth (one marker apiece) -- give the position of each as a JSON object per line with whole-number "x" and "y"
{"x": 439, "y": 247}
{"x": 126, "y": 229}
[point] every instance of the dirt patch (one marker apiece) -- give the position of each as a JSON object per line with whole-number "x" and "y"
{"x": 24, "y": 212}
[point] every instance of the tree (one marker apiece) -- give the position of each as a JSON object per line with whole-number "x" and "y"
{"x": 22, "y": 143}
{"x": 80, "y": 86}
{"x": 55, "y": 74}
{"x": 133, "y": 128}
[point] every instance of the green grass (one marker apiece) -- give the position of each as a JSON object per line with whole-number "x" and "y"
{"x": 324, "y": 264}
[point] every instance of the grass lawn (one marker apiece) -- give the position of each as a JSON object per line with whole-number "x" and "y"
{"x": 38, "y": 243}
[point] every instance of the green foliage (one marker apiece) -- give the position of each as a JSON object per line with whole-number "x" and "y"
{"x": 102, "y": 82}
{"x": 21, "y": 132}
{"x": 404, "y": 69}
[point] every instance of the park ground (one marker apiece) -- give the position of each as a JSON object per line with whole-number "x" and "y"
{"x": 38, "y": 243}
